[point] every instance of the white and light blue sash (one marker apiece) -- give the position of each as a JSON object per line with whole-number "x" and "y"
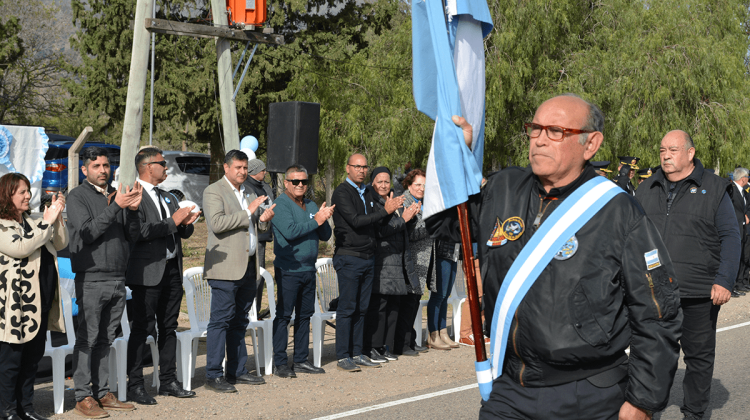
{"x": 574, "y": 212}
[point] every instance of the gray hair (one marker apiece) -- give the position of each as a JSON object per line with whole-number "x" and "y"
{"x": 594, "y": 120}
{"x": 740, "y": 173}
{"x": 294, "y": 169}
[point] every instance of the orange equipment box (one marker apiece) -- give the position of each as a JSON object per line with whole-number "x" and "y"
{"x": 246, "y": 12}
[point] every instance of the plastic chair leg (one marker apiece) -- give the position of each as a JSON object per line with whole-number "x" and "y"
{"x": 255, "y": 352}
{"x": 319, "y": 329}
{"x": 418, "y": 328}
{"x": 155, "y": 360}
{"x": 267, "y": 348}
{"x": 58, "y": 380}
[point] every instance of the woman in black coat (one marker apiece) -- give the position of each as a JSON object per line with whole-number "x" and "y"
{"x": 394, "y": 268}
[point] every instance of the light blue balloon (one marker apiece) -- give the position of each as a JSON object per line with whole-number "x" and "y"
{"x": 249, "y": 142}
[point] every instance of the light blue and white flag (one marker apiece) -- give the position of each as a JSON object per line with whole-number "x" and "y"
{"x": 448, "y": 76}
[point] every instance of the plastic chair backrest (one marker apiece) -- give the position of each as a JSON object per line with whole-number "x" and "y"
{"x": 198, "y": 297}
{"x": 67, "y": 306}
{"x": 328, "y": 285}
{"x": 270, "y": 297}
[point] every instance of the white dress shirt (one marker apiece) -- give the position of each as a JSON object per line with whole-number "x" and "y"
{"x": 151, "y": 189}
{"x": 242, "y": 198}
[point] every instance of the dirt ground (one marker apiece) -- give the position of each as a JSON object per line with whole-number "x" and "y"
{"x": 310, "y": 394}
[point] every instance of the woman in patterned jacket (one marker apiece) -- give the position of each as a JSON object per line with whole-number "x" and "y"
{"x": 29, "y": 291}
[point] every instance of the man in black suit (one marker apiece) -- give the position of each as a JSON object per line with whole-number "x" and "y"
{"x": 739, "y": 202}
{"x": 155, "y": 276}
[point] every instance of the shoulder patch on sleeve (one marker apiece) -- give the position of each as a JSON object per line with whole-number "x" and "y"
{"x": 652, "y": 259}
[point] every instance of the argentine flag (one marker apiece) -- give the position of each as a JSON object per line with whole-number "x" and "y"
{"x": 448, "y": 77}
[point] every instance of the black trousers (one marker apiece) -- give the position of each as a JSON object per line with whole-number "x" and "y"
{"x": 699, "y": 346}
{"x": 405, "y": 336}
{"x": 355, "y": 285}
{"x": 380, "y": 322}
{"x": 155, "y": 306}
{"x": 18, "y": 366}
{"x": 574, "y": 401}
{"x": 296, "y": 293}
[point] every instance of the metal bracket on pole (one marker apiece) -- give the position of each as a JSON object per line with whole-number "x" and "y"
{"x": 239, "y": 62}
{"x": 244, "y": 72}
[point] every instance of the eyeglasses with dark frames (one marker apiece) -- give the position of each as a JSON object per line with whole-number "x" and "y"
{"x": 554, "y": 132}
{"x": 360, "y": 167}
{"x": 296, "y": 182}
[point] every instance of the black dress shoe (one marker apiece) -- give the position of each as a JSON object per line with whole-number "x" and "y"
{"x": 389, "y": 356}
{"x": 247, "y": 379}
{"x": 307, "y": 367}
{"x": 420, "y": 349}
{"x": 283, "y": 371}
{"x": 140, "y": 396}
{"x": 376, "y": 357}
{"x": 348, "y": 365}
{"x": 220, "y": 384}
{"x": 14, "y": 417}
{"x": 735, "y": 294}
{"x": 409, "y": 352}
{"x": 364, "y": 361}
{"x": 174, "y": 389}
{"x": 31, "y": 415}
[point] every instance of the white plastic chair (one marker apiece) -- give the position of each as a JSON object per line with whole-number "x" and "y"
{"x": 326, "y": 290}
{"x": 263, "y": 329}
{"x": 456, "y": 300}
{"x": 198, "y": 297}
{"x": 59, "y": 353}
{"x": 418, "y": 323}
{"x": 118, "y": 359}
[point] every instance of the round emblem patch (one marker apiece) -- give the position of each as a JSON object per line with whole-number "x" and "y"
{"x": 568, "y": 249}
{"x": 513, "y": 228}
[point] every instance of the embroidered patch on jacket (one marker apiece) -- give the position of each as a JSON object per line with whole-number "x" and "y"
{"x": 497, "y": 238}
{"x": 513, "y": 228}
{"x": 568, "y": 249}
{"x": 693, "y": 190}
{"x": 652, "y": 259}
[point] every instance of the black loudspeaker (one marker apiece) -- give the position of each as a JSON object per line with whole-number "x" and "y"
{"x": 293, "y": 132}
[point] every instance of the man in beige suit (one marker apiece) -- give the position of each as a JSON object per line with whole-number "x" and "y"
{"x": 234, "y": 218}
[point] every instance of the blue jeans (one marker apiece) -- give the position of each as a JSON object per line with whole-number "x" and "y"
{"x": 296, "y": 293}
{"x": 437, "y": 306}
{"x": 230, "y": 303}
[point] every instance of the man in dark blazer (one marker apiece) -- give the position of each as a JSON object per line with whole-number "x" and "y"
{"x": 739, "y": 202}
{"x": 155, "y": 276}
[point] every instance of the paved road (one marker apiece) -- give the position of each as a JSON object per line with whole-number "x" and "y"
{"x": 730, "y": 391}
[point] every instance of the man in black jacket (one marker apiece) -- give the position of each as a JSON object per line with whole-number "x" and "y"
{"x": 103, "y": 224}
{"x": 255, "y": 182}
{"x": 355, "y": 225}
{"x": 739, "y": 202}
{"x": 693, "y": 212}
{"x": 155, "y": 276}
{"x": 608, "y": 288}
{"x": 626, "y": 172}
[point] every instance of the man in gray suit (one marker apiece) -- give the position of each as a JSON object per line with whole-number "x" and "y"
{"x": 234, "y": 219}
{"x": 155, "y": 276}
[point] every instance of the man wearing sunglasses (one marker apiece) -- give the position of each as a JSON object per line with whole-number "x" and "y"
{"x": 154, "y": 275}
{"x": 298, "y": 227}
{"x": 608, "y": 287}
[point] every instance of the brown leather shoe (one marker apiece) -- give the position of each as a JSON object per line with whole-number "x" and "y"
{"x": 434, "y": 341}
{"x": 110, "y": 402}
{"x": 445, "y": 338}
{"x": 90, "y": 409}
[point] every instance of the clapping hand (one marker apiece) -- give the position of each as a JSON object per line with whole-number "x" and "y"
{"x": 392, "y": 204}
{"x": 411, "y": 211}
{"x": 129, "y": 197}
{"x": 256, "y": 203}
{"x": 54, "y": 211}
{"x": 184, "y": 216}
{"x": 324, "y": 213}
{"x": 267, "y": 214}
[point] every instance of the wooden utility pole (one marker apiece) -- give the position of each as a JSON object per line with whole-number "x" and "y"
{"x": 131, "y": 132}
{"x": 226, "y": 85}
{"x": 73, "y": 157}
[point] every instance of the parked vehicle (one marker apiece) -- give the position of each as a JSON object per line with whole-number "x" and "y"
{"x": 187, "y": 175}
{"x": 55, "y": 176}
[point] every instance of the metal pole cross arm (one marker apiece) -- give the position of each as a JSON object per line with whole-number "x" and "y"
{"x": 244, "y": 72}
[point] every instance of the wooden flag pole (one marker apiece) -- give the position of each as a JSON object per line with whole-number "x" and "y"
{"x": 471, "y": 283}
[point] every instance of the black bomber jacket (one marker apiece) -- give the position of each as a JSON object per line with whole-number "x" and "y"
{"x": 584, "y": 311}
